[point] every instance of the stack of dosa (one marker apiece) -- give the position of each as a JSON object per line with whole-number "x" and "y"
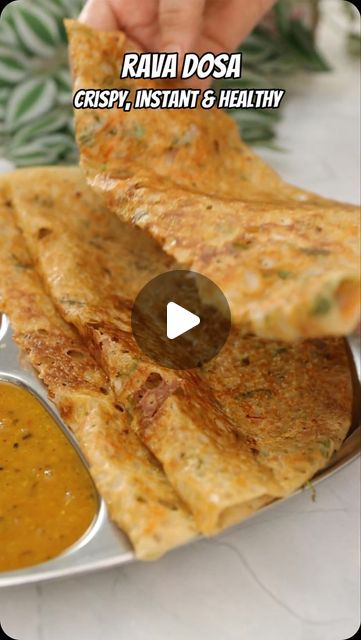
{"x": 248, "y": 427}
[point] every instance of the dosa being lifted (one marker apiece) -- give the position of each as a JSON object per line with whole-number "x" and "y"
{"x": 287, "y": 260}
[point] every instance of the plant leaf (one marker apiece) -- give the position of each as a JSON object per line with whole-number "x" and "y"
{"x": 63, "y": 79}
{"x": 282, "y": 15}
{"x": 52, "y": 6}
{"x": 64, "y": 91}
{"x": 8, "y": 35}
{"x": 57, "y": 144}
{"x": 72, "y": 8}
{"x": 57, "y": 120}
{"x": 45, "y": 150}
{"x": 30, "y": 100}
{"x": 37, "y": 29}
{"x": 303, "y": 40}
{"x": 14, "y": 66}
{"x": 4, "y": 95}
{"x": 31, "y": 154}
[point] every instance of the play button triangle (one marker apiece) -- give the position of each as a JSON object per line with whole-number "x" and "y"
{"x": 179, "y": 320}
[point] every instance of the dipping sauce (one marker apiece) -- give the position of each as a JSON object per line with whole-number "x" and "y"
{"x": 47, "y": 498}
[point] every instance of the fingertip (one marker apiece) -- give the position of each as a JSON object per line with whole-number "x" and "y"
{"x": 99, "y": 15}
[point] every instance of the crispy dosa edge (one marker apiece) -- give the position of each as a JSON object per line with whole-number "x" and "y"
{"x": 286, "y": 259}
{"x": 139, "y": 498}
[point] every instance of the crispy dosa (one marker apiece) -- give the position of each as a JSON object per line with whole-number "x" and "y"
{"x": 254, "y": 424}
{"x": 139, "y": 498}
{"x": 287, "y": 260}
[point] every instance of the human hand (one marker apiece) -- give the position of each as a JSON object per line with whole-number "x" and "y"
{"x": 178, "y": 25}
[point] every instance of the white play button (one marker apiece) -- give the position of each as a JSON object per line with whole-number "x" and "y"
{"x": 175, "y": 325}
{"x": 179, "y": 320}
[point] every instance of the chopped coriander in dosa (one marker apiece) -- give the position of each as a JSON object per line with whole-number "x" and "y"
{"x": 243, "y": 430}
{"x": 287, "y": 260}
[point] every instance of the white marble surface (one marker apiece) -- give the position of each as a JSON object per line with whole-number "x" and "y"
{"x": 291, "y": 572}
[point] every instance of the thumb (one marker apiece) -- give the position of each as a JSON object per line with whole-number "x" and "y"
{"x": 180, "y": 23}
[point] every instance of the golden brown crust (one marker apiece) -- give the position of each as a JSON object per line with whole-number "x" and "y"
{"x": 296, "y": 400}
{"x": 287, "y": 260}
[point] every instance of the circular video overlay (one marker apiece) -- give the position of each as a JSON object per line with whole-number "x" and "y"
{"x": 181, "y": 319}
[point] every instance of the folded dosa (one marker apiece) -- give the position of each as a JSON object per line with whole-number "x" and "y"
{"x": 139, "y": 498}
{"x": 287, "y": 260}
{"x": 246, "y": 428}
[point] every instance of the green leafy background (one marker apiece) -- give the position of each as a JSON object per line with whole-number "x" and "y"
{"x": 36, "y": 123}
